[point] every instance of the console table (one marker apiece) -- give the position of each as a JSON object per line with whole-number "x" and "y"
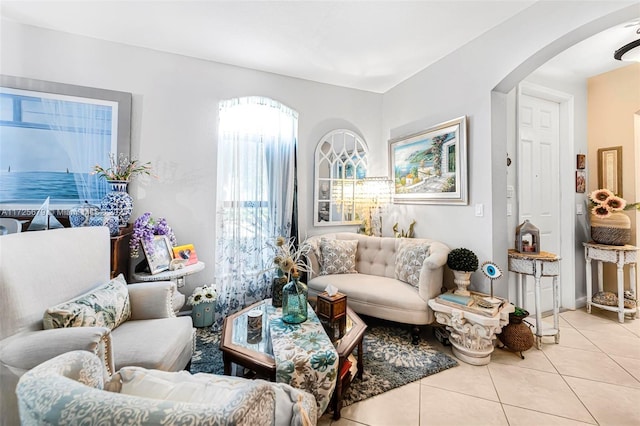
{"x": 543, "y": 264}
{"x": 472, "y": 334}
{"x": 620, "y": 256}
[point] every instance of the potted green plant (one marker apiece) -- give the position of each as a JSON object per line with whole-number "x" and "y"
{"x": 463, "y": 262}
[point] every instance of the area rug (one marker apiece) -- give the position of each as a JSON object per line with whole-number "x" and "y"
{"x": 390, "y": 360}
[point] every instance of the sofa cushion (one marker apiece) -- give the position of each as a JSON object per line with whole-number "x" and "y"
{"x": 369, "y": 294}
{"x": 183, "y": 386}
{"x": 409, "y": 260}
{"x": 168, "y": 354}
{"x": 105, "y": 306}
{"x": 338, "y": 256}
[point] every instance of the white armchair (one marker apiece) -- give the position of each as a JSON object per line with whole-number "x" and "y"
{"x": 41, "y": 269}
{"x": 71, "y": 389}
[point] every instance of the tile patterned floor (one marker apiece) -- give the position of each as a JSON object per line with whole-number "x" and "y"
{"x": 591, "y": 378}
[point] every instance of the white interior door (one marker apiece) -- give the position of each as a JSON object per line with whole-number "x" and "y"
{"x": 539, "y": 182}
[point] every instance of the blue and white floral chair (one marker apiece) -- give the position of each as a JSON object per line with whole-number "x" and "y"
{"x": 72, "y": 388}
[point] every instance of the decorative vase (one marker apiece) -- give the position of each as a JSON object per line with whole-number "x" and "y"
{"x": 105, "y": 219}
{"x": 614, "y": 230}
{"x": 80, "y": 214}
{"x": 294, "y": 302}
{"x": 462, "y": 280}
{"x": 118, "y": 202}
{"x": 277, "y": 285}
{"x": 517, "y": 335}
{"x": 203, "y": 314}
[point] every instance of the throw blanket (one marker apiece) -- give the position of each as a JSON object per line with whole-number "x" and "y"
{"x": 305, "y": 357}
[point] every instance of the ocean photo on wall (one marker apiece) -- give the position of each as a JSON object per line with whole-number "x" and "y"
{"x": 49, "y": 144}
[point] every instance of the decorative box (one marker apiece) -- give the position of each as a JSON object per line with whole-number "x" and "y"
{"x": 331, "y": 308}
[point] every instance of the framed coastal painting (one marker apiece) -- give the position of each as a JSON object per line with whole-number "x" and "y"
{"x": 159, "y": 253}
{"x": 51, "y": 136}
{"x": 430, "y": 167}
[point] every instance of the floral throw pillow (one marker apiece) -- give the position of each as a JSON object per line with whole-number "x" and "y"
{"x": 338, "y": 256}
{"x": 409, "y": 260}
{"x": 105, "y": 306}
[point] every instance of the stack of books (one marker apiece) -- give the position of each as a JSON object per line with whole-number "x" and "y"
{"x": 476, "y": 303}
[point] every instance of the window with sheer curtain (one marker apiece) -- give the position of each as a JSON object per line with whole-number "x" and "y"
{"x": 257, "y": 140}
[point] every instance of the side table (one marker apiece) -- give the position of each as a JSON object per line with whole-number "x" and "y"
{"x": 543, "y": 264}
{"x": 472, "y": 334}
{"x": 120, "y": 252}
{"x": 177, "y": 276}
{"x": 620, "y": 256}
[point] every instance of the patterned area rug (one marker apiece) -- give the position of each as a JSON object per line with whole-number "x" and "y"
{"x": 390, "y": 360}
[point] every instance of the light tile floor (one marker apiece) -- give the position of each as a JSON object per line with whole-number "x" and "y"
{"x": 591, "y": 377}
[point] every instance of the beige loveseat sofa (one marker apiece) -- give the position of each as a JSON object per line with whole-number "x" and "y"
{"x": 41, "y": 269}
{"x": 375, "y": 289}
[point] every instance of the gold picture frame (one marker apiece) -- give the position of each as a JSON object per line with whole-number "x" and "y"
{"x": 610, "y": 169}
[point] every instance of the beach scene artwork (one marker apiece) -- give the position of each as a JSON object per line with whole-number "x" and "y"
{"x": 49, "y": 147}
{"x": 428, "y": 165}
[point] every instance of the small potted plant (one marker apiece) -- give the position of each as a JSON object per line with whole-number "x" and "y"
{"x": 462, "y": 262}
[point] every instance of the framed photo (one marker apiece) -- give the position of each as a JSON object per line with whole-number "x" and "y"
{"x": 51, "y": 136}
{"x": 610, "y": 169}
{"x": 186, "y": 252}
{"x": 430, "y": 167}
{"x": 160, "y": 255}
{"x": 581, "y": 181}
{"x": 581, "y": 161}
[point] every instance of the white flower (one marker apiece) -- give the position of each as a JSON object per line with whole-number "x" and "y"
{"x": 204, "y": 294}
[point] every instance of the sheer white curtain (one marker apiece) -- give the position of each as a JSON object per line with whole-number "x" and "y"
{"x": 256, "y": 172}
{"x": 84, "y": 131}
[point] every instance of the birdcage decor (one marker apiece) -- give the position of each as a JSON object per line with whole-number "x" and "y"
{"x": 527, "y": 238}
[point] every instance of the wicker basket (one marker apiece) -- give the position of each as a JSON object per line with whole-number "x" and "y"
{"x": 612, "y": 231}
{"x": 516, "y": 335}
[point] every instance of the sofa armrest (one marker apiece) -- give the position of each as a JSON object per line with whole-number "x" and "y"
{"x": 22, "y": 352}
{"x": 430, "y": 283}
{"x": 151, "y": 300}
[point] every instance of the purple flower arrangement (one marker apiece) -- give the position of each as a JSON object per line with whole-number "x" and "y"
{"x": 144, "y": 229}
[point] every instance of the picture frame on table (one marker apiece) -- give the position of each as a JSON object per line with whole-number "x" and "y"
{"x": 430, "y": 167}
{"x": 160, "y": 256}
{"x": 186, "y": 252}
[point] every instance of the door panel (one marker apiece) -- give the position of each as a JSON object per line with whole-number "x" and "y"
{"x": 538, "y": 182}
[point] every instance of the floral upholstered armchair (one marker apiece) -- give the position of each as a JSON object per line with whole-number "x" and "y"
{"x": 73, "y": 389}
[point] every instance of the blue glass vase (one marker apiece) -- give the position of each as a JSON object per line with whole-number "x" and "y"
{"x": 294, "y": 302}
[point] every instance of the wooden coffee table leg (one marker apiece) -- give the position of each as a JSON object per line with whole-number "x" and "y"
{"x": 227, "y": 364}
{"x": 360, "y": 363}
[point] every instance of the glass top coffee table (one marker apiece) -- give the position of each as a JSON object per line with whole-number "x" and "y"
{"x": 255, "y": 352}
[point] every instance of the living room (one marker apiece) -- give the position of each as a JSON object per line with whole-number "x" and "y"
{"x": 174, "y": 125}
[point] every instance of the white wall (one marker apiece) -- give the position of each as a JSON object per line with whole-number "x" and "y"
{"x": 176, "y": 99}
{"x": 462, "y": 84}
{"x": 175, "y": 105}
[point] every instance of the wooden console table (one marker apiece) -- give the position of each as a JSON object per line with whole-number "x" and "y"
{"x": 120, "y": 258}
{"x": 620, "y": 256}
{"x": 543, "y": 264}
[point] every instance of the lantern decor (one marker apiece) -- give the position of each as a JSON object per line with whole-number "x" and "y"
{"x": 493, "y": 272}
{"x": 527, "y": 238}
